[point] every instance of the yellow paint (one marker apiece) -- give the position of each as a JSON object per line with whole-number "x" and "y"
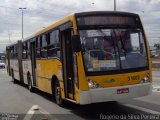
{"x": 119, "y": 79}
{"x": 62, "y": 90}
{"x": 70, "y": 95}
{"x": 74, "y": 25}
{"x": 148, "y": 52}
{"x": 49, "y": 67}
{"x": 55, "y": 24}
{"x": 83, "y": 84}
{"x": 46, "y": 68}
{"x": 76, "y": 97}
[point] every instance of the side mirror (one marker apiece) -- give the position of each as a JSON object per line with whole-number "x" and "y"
{"x": 76, "y": 43}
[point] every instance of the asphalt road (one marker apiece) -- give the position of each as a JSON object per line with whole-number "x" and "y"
{"x": 156, "y": 78}
{"x": 17, "y": 102}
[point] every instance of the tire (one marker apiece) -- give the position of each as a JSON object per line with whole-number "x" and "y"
{"x": 57, "y": 94}
{"x": 13, "y": 79}
{"x": 30, "y": 87}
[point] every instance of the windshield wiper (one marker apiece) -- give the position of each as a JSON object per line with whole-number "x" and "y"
{"x": 114, "y": 34}
{"x": 124, "y": 50}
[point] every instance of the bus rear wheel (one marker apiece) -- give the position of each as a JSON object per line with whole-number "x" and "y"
{"x": 13, "y": 79}
{"x": 30, "y": 87}
{"x": 57, "y": 94}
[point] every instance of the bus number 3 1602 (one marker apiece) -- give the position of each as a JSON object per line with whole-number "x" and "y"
{"x": 137, "y": 77}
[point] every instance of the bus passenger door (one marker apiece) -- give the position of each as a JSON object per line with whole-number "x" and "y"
{"x": 33, "y": 62}
{"x": 67, "y": 60}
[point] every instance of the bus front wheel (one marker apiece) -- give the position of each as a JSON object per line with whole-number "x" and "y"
{"x": 57, "y": 94}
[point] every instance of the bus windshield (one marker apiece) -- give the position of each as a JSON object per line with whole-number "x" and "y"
{"x": 113, "y": 49}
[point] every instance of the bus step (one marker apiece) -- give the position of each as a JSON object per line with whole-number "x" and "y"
{"x": 70, "y": 100}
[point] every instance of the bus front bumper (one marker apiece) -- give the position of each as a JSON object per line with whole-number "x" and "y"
{"x": 110, "y": 94}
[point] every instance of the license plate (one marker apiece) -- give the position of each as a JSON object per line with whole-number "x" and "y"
{"x": 123, "y": 91}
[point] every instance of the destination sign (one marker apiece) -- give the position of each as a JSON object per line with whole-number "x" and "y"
{"x": 107, "y": 20}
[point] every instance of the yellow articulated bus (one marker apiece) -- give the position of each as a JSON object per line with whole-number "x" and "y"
{"x": 85, "y": 58}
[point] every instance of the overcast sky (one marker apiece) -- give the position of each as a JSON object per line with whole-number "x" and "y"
{"x": 41, "y": 13}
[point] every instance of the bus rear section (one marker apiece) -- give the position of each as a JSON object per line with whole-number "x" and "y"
{"x": 115, "y": 57}
{"x": 14, "y": 61}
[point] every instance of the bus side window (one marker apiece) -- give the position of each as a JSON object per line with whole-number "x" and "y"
{"x": 24, "y": 54}
{"x": 11, "y": 52}
{"x": 54, "y": 44}
{"x": 16, "y": 52}
{"x": 28, "y": 50}
{"x": 44, "y": 47}
{"x": 38, "y": 47}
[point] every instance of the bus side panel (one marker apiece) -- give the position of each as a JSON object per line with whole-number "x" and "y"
{"x": 19, "y": 57}
{"x": 26, "y": 70}
{"x": 15, "y": 67}
{"x": 52, "y": 68}
{"x": 46, "y": 68}
{"x": 40, "y": 74}
{"x": 83, "y": 84}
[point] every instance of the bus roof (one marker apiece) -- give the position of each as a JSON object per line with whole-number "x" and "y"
{"x": 56, "y": 24}
{"x": 50, "y": 27}
{"x": 105, "y": 13}
{"x": 70, "y": 17}
{"x": 28, "y": 38}
{"x": 12, "y": 44}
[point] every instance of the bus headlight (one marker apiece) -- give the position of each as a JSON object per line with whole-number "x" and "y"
{"x": 92, "y": 84}
{"x": 145, "y": 79}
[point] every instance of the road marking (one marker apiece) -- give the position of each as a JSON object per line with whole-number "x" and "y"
{"x": 35, "y": 108}
{"x": 142, "y": 109}
{"x": 156, "y": 91}
{"x": 47, "y": 114}
{"x": 43, "y": 111}
{"x": 2, "y": 71}
{"x": 30, "y": 113}
{"x": 156, "y": 88}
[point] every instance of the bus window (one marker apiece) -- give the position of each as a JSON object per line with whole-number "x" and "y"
{"x": 44, "y": 47}
{"x": 15, "y": 51}
{"x": 113, "y": 49}
{"x": 24, "y": 53}
{"x": 54, "y": 44}
{"x": 131, "y": 46}
{"x": 38, "y": 47}
{"x": 44, "y": 41}
{"x": 99, "y": 50}
{"x": 11, "y": 52}
{"x": 28, "y": 49}
{"x": 54, "y": 37}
